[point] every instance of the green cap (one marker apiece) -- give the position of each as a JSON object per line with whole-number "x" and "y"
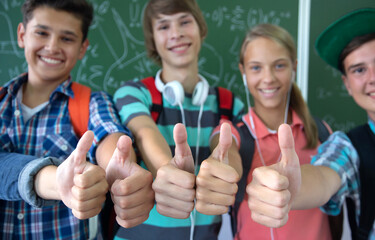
{"x": 339, "y": 34}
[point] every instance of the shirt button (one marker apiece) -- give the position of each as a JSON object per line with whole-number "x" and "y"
{"x": 20, "y": 216}
{"x": 17, "y": 113}
{"x": 64, "y": 147}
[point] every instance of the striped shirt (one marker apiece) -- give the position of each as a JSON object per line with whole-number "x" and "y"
{"x": 48, "y": 133}
{"x": 339, "y": 154}
{"x": 134, "y": 99}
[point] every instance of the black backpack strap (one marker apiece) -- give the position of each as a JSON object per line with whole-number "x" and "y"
{"x": 323, "y": 131}
{"x": 363, "y": 139}
{"x": 246, "y": 153}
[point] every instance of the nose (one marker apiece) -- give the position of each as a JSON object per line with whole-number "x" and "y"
{"x": 268, "y": 76}
{"x": 372, "y": 74}
{"x": 176, "y": 31}
{"x": 52, "y": 44}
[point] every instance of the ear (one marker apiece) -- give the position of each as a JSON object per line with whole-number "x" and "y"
{"x": 21, "y": 30}
{"x": 240, "y": 66}
{"x": 347, "y": 84}
{"x": 83, "y": 49}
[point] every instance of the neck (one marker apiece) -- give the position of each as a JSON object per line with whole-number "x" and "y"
{"x": 272, "y": 118}
{"x": 188, "y": 77}
{"x": 34, "y": 95}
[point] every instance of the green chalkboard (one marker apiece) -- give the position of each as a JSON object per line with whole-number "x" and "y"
{"x": 327, "y": 95}
{"x": 116, "y": 53}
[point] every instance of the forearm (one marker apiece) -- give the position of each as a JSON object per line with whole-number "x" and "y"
{"x": 45, "y": 183}
{"x": 318, "y": 185}
{"x": 106, "y": 148}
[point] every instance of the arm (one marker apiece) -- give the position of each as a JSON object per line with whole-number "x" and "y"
{"x": 154, "y": 149}
{"x": 218, "y": 175}
{"x": 319, "y": 184}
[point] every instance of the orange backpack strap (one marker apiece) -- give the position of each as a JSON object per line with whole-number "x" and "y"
{"x": 156, "y": 98}
{"x": 79, "y": 108}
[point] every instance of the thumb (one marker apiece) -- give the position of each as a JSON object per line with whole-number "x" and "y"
{"x": 123, "y": 151}
{"x": 183, "y": 159}
{"x": 225, "y": 141}
{"x": 81, "y": 150}
{"x": 289, "y": 163}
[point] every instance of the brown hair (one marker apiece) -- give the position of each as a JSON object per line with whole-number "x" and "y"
{"x": 353, "y": 45}
{"x": 297, "y": 103}
{"x": 81, "y": 9}
{"x": 168, "y": 7}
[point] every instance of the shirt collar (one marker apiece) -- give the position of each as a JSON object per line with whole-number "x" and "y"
{"x": 13, "y": 86}
{"x": 371, "y": 123}
{"x": 260, "y": 128}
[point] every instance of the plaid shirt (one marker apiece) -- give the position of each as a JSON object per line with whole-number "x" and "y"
{"x": 339, "y": 154}
{"x": 48, "y": 133}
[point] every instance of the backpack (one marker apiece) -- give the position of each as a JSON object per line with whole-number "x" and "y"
{"x": 79, "y": 107}
{"x": 224, "y": 96}
{"x": 323, "y": 133}
{"x": 363, "y": 140}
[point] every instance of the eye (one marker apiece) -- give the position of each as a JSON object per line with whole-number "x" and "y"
{"x": 359, "y": 70}
{"x": 185, "y": 22}
{"x": 41, "y": 33}
{"x": 67, "y": 39}
{"x": 163, "y": 27}
{"x": 280, "y": 66}
{"x": 255, "y": 68}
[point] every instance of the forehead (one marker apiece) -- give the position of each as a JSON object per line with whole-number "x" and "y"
{"x": 262, "y": 48}
{"x": 364, "y": 54}
{"x": 56, "y": 20}
{"x": 172, "y": 17}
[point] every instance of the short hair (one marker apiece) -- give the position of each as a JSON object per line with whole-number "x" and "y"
{"x": 168, "y": 7}
{"x": 79, "y": 8}
{"x": 354, "y": 44}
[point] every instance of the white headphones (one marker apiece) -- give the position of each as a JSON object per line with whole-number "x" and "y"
{"x": 174, "y": 92}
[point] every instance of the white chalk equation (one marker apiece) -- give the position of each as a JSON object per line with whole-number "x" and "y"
{"x": 117, "y": 53}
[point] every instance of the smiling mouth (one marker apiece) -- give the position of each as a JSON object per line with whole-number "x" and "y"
{"x": 268, "y": 91}
{"x": 180, "y": 48}
{"x": 50, "y": 60}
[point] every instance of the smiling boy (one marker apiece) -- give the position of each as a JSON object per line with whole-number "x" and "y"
{"x": 47, "y": 184}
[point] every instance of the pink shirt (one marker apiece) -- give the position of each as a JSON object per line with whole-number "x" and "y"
{"x": 302, "y": 224}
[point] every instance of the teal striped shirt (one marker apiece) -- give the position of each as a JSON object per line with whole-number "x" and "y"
{"x": 134, "y": 99}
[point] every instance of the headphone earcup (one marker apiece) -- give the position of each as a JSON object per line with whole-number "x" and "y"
{"x": 200, "y": 92}
{"x": 174, "y": 93}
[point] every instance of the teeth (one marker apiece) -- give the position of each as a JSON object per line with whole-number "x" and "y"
{"x": 268, "y": 90}
{"x": 372, "y": 94}
{"x": 51, "y": 61}
{"x": 180, "y": 48}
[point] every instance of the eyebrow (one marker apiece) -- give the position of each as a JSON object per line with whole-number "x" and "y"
{"x": 354, "y": 66}
{"x": 67, "y": 32}
{"x": 161, "y": 21}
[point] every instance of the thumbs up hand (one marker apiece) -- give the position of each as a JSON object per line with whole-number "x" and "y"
{"x": 274, "y": 187}
{"x": 217, "y": 181}
{"x": 130, "y": 186}
{"x": 175, "y": 181}
{"x": 81, "y": 185}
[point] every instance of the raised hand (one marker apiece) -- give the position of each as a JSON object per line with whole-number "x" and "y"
{"x": 274, "y": 187}
{"x": 174, "y": 183}
{"x": 130, "y": 186}
{"x": 217, "y": 181}
{"x": 81, "y": 185}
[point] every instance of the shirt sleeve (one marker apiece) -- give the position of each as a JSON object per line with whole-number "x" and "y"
{"x": 339, "y": 154}
{"x": 104, "y": 120}
{"x": 11, "y": 165}
{"x": 132, "y": 99}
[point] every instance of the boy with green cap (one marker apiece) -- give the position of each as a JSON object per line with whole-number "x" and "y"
{"x": 344, "y": 167}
